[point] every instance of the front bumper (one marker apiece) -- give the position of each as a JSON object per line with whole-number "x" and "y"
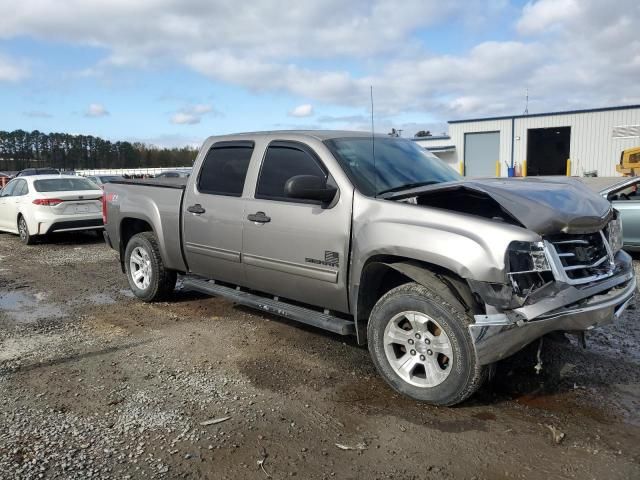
{"x": 568, "y": 308}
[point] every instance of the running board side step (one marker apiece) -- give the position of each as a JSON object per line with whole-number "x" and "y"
{"x": 271, "y": 305}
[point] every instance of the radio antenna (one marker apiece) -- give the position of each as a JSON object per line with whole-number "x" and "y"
{"x": 373, "y": 145}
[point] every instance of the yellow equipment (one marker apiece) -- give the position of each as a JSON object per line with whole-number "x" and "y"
{"x": 629, "y": 162}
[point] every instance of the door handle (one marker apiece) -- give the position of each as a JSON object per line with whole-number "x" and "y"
{"x": 197, "y": 209}
{"x": 258, "y": 217}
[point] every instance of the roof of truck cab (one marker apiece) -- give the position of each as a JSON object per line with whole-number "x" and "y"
{"x": 317, "y": 134}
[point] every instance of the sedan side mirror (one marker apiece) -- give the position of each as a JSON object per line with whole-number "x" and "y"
{"x": 309, "y": 187}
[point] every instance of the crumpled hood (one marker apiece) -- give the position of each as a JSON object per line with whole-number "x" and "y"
{"x": 544, "y": 206}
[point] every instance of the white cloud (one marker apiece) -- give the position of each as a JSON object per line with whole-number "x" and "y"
{"x": 304, "y": 110}
{"x": 542, "y": 14}
{"x": 569, "y": 53}
{"x": 191, "y": 114}
{"x": 96, "y": 110}
{"x": 12, "y": 70}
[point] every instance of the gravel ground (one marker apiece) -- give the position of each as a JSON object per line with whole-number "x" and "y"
{"x": 95, "y": 384}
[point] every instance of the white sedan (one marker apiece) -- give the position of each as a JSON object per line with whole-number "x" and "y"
{"x": 40, "y": 204}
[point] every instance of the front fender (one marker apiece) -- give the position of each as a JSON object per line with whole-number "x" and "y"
{"x": 469, "y": 246}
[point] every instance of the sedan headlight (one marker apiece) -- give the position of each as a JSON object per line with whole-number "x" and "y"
{"x": 614, "y": 231}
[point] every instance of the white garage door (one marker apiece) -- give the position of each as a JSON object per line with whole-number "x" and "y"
{"x": 481, "y": 151}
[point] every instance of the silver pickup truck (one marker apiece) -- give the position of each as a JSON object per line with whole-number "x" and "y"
{"x": 373, "y": 236}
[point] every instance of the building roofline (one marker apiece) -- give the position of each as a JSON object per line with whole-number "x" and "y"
{"x": 548, "y": 114}
{"x": 436, "y": 137}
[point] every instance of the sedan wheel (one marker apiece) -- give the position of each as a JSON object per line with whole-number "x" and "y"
{"x": 23, "y": 231}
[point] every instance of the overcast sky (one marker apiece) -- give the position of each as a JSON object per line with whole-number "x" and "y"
{"x": 172, "y": 72}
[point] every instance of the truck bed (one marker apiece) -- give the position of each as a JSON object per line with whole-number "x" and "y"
{"x": 180, "y": 182}
{"x": 154, "y": 202}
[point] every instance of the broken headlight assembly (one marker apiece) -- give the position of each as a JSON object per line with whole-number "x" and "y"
{"x": 528, "y": 267}
{"x": 614, "y": 234}
{"x": 528, "y": 270}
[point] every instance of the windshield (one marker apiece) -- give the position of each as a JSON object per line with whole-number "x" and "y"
{"x": 398, "y": 164}
{"x": 64, "y": 184}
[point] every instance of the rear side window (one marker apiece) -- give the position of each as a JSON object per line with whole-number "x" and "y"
{"x": 282, "y": 162}
{"x": 225, "y": 168}
{"x": 63, "y": 184}
{"x": 21, "y": 189}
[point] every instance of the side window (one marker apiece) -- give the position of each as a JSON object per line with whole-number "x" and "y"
{"x": 225, "y": 168}
{"x": 21, "y": 189}
{"x": 8, "y": 189}
{"x": 282, "y": 162}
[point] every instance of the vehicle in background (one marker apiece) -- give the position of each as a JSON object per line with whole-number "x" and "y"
{"x": 37, "y": 171}
{"x": 100, "y": 180}
{"x": 440, "y": 276}
{"x": 35, "y": 205}
{"x": 623, "y": 194}
{"x": 629, "y": 162}
{"x": 174, "y": 174}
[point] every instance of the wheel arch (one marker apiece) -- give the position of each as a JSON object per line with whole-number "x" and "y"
{"x": 130, "y": 226}
{"x": 383, "y": 273}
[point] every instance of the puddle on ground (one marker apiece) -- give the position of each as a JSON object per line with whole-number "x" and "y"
{"x": 101, "y": 299}
{"x": 125, "y": 292}
{"x": 26, "y": 308}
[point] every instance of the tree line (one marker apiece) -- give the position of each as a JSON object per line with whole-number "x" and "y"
{"x": 21, "y": 149}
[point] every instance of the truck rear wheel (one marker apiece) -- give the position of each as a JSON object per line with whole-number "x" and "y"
{"x": 420, "y": 343}
{"x": 148, "y": 278}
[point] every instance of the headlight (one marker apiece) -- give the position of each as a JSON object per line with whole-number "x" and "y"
{"x": 527, "y": 257}
{"x": 614, "y": 231}
{"x": 528, "y": 268}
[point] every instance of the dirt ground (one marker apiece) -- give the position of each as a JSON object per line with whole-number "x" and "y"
{"x": 94, "y": 383}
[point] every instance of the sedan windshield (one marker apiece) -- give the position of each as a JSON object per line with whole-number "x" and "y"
{"x": 388, "y": 164}
{"x": 64, "y": 184}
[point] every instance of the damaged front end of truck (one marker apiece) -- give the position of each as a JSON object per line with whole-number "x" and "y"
{"x": 573, "y": 277}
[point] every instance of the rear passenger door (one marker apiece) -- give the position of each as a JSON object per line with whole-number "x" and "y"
{"x": 213, "y": 212}
{"x": 294, "y": 248}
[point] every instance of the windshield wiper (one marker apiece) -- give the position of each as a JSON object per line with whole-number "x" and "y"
{"x": 406, "y": 186}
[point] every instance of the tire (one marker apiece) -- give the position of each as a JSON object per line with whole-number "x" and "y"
{"x": 142, "y": 255}
{"x": 419, "y": 341}
{"x": 23, "y": 231}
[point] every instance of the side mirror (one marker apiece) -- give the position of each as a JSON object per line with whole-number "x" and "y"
{"x": 309, "y": 187}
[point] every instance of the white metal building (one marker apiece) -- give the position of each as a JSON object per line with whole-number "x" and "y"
{"x": 591, "y": 139}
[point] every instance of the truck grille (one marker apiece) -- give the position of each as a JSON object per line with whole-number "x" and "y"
{"x": 582, "y": 257}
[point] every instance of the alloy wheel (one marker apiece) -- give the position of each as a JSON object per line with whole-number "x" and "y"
{"x": 418, "y": 349}
{"x": 140, "y": 268}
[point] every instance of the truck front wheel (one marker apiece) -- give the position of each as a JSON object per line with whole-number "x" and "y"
{"x": 420, "y": 343}
{"x": 148, "y": 278}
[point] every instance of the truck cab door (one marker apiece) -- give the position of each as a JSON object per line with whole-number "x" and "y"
{"x": 296, "y": 249}
{"x": 213, "y": 212}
